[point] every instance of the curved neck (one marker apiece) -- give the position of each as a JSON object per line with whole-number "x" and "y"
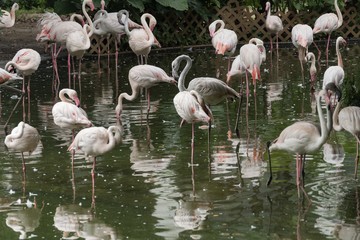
{"x": 338, "y": 12}
{"x": 128, "y": 97}
{"x": 336, "y": 125}
{"x": 184, "y": 72}
{"x": 19, "y": 132}
{"x": 126, "y": 23}
{"x": 63, "y": 98}
{"x": 312, "y": 58}
{"x": 86, "y": 14}
{"x": 325, "y": 127}
{"x": 222, "y": 25}
{"x": 12, "y": 14}
{"x": 147, "y": 29}
{"x": 340, "y": 62}
{"x": 112, "y": 141}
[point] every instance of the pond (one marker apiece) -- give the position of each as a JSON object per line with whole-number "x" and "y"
{"x": 146, "y": 188}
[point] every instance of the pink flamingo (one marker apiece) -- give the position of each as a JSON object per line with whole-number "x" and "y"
{"x": 223, "y": 40}
{"x": 191, "y": 108}
{"x": 327, "y": 23}
{"x": 26, "y": 61}
{"x": 23, "y": 138}
{"x": 143, "y": 76}
{"x": 57, "y": 31}
{"x": 302, "y": 37}
{"x": 273, "y": 24}
{"x": 141, "y": 40}
{"x": 95, "y": 141}
{"x": 301, "y": 138}
{"x": 7, "y": 19}
{"x": 107, "y": 23}
{"x": 347, "y": 119}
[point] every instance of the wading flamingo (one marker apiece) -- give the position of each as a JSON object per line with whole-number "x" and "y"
{"x": 310, "y": 57}
{"x": 327, "y": 23}
{"x": 141, "y": 40}
{"x": 273, "y": 24}
{"x": 7, "y": 19}
{"x": 143, "y": 76}
{"x": 23, "y": 138}
{"x": 95, "y": 141}
{"x": 223, "y": 40}
{"x": 302, "y": 37}
{"x": 347, "y": 119}
{"x": 191, "y": 108}
{"x": 302, "y": 138}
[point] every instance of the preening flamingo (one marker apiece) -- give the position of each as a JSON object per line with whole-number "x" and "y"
{"x": 302, "y": 138}
{"x": 302, "y": 37}
{"x": 68, "y": 115}
{"x": 327, "y": 23}
{"x": 347, "y": 119}
{"x": 23, "y": 138}
{"x": 7, "y": 19}
{"x": 335, "y": 74}
{"x": 191, "y": 108}
{"x": 140, "y": 40}
{"x": 311, "y": 57}
{"x": 107, "y": 23}
{"x": 260, "y": 44}
{"x": 95, "y": 141}
{"x": 143, "y": 76}
{"x": 273, "y": 24}
{"x": 224, "y": 40}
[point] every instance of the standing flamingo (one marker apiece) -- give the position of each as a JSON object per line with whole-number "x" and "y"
{"x": 347, "y": 119}
{"x": 327, "y": 23}
{"x": 302, "y": 37}
{"x": 140, "y": 40}
{"x": 191, "y": 108}
{"x": 107, "y": 23}
{"x": 95, "y": 141}
{"x": 223, "y": 40}
{"x": 273, "y": 24}
{"x": 23, "y": 138}
{"x": 7, "y": 19}
{"x": 301, "y": 138}
{"x": 26, "y": 61}
{"x": 143, "y": 76}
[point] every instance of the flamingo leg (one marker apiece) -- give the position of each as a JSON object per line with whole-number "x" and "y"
{"x": 327, "y": 49}
{"x": 23, "y": 100}
{"x": 24, "y": 171}
{"x": 298, "y": 170}
{"x": 93, "y": 181}
{"x": 270, "y": 168}
{"x": 192, "y": 142}
{"x": 116, "y": 52}
{"x": 28, "y": 90}
{"x": 271, "y": 45}
{"x": 356, "y": 159}
{"x": 12, "y": 112}
{"x": 69, "y": 69}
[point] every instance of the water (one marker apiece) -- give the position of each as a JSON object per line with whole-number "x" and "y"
{"x": 145, "y": 187}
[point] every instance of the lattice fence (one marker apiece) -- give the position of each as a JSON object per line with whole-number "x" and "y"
{"x": 189, "y": 28}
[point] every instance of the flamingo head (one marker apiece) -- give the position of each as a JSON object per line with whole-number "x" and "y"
{"x": 330, "y": 89}
{"x": 118, "y": 111}
{"x": 90, "y": 4}
{"x": 267, "y": 7}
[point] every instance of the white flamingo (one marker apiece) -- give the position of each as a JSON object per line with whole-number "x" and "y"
{"x": 7, "y": 19}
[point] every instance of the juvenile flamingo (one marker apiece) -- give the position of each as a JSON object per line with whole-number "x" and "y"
{"x": 311, "y": 57}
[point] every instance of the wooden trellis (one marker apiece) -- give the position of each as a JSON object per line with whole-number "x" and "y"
{"x": 189, "y": 28}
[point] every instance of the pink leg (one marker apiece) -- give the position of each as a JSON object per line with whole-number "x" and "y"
{"x": 271, "y": 45}
{"x": 93, "y": 181}
{"x": 327, "y": 49}
{"x": 69, "y": 70}
{"x": 192, "y": 143}
{"x": 247, "y": 84}
{"x": 356, "y": 159}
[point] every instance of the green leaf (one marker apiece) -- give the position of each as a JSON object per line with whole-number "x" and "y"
{"x": 139, "y": 4}
{"x": 180, "y": 5}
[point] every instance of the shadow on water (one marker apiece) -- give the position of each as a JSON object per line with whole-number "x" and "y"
{"x": 145, "y": 187}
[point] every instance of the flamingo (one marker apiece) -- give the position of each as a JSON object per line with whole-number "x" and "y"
{"x": 95, "y": 141}
{"x": 302, "y": 37}
{"x": 143, "y": 76}
{"x": 347, "y": 119}
{"x": 57, "y": 31}
{"x": 223, "y": 40}
{"x": 260, "y": 44}
{"x": 141, "y": 40}
{"x": 303, "y": 137}
{"x": 107, "y": 23}
{"x": 191, "y": 108}
{"x": 23, "y": 138}
{"x": 26, "y": 61}
{"x": 327, "y": 23}
{"x": 273, "y": 24}
{"x": 7, "y": 19}
{"x": 212, "y": 90}
{"x": 311, "y": 57}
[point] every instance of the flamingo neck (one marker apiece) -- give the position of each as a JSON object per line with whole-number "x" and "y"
{"x": 112, "y": 141}
{"x": 325, "y": 127}
{"x": 336, "y": 125}
{"x": 222, "y": 26}
{"x": 128, "y": 97}
{"x": 126, "y": 23}
{"x": 88, "y": 19}
{"x": 184, "y": 72}
{"x": 338, "y": 12}
{"x": 12, "y": 15}
{"x": 63, "y": 98}
{"x": 147, "y": 29}
{"x": 268, "y": 12}
{"x": 338, "y": 53}
{"x": 19, "y": 131}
